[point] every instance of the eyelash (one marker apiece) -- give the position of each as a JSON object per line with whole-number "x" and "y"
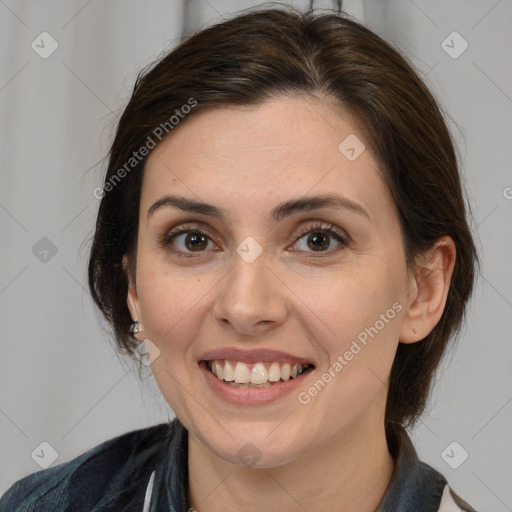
{"x": 327, "y": 229}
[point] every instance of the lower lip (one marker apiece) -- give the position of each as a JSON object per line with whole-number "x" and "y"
{"x": 251, "y": 396}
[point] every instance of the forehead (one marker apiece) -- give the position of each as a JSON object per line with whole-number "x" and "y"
{"x": 256, "y": 156}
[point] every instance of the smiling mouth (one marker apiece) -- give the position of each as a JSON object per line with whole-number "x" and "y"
{"x": 262, "y": 374}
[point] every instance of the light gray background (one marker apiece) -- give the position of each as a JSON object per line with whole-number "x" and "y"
{"x": 60, "y": 380}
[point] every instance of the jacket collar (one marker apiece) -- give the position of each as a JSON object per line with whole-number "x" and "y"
{"x": 415, "y": 486}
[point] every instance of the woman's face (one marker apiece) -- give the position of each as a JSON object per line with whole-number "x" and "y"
{"x": 260, "y": 278}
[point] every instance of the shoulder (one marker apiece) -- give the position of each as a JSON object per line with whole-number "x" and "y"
{"x": 452, "y": 502}
{"x": 436, "y": 485}
{"x": 112, "y": 471}
{"x": 415, "y": 485}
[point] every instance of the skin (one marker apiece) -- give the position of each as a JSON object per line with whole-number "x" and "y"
{"x": 330, "y": 454}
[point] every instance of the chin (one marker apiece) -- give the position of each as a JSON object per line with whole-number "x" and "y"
{"x": 254, "y": 445}
{"x": 249, "y": 455}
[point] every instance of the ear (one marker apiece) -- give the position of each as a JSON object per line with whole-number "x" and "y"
{"x": 428, "y": 290}
{"x": 132, "y": 298}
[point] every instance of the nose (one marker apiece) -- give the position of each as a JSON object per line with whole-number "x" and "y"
{"x": 251, "y": 299}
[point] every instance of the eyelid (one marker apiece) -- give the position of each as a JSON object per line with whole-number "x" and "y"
{"x": 320, "y": 226}
{"x": 184, "y": 227}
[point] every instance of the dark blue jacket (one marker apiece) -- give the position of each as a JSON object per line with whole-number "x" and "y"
{"x": 146, "y": 471}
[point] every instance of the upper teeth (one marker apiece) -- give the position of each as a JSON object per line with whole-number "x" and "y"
{"x": 257, "y": 374}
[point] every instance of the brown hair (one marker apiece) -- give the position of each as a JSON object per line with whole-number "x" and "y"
{"x": 273, "y": 52}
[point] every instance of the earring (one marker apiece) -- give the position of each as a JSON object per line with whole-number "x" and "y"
{"x": 135, "y": 327}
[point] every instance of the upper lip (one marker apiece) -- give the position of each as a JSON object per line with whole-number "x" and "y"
{"x": 253, "y": 356}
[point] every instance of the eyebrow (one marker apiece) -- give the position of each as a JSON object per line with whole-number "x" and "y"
{"x": 281, "y": 211}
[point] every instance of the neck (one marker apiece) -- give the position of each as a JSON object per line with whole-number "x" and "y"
{"x": 349, "y": 473}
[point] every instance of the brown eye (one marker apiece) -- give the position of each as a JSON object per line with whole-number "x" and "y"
{"x": 184, "y": 241}
{"x": 195, "y": 241}
{"x": 318, "y": 239}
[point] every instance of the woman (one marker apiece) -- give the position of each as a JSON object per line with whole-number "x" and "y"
{"x": 283, "y": 237}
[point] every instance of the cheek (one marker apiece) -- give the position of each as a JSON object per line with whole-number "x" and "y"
{"x": 170, "y": 304}
{"x": 343, "y": 304}
{"x": 355, "y": 318}
{"x": 356, "y": 321}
